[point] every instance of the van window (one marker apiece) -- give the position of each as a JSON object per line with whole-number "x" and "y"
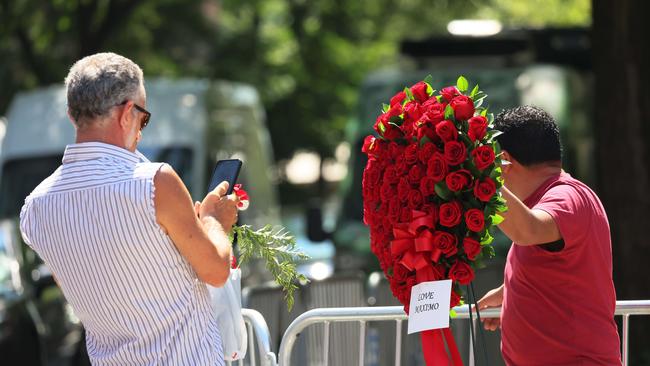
{"x": 21, "y": 176}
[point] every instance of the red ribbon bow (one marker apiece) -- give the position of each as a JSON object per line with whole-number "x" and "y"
{"x": 414, "y": 244}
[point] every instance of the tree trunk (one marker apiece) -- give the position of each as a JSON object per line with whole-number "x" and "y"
{"x": 622, "y": 117}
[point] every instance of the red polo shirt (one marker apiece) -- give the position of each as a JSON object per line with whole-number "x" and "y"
{"x": 558, "y": 307}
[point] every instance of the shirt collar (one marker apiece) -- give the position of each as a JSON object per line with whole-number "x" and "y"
{"x": 95, "y": 150}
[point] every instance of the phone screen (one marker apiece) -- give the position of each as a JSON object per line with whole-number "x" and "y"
{"x": 225, "y": 170}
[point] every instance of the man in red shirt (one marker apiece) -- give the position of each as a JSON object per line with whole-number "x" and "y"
{"x": 558, "y": 297}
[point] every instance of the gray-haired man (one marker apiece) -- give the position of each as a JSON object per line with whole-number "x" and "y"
{"x": 122, "y": 236}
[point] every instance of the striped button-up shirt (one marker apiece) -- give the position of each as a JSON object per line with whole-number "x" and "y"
{"x": 93, "y": 222}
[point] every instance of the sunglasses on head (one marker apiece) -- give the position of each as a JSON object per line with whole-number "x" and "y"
{"x": 146, "y": 114}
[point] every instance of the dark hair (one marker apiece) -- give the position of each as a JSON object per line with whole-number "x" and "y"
{"x": 530, "y": 135}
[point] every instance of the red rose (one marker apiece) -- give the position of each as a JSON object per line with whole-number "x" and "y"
{"x": 413, "y": 111}
{"x": 398, "y": 98}
{"x": 400, "y": 273}
{"x": 454, "y": 299}
{"x": 446, "y": 242}
{"x": 458, "y": 180}
{"x": 390, "y": 175}
{"x": 431, "y": 209}
{"x": 483, "y": 156}
{"x": 415, "y": 174}
{"x": 393, "y": 132}
{"x": 427, "y": 186}
{"x": 395, "y": 150}
{"x": 477, "y": 127}
{"x": 415, "y": 199}
{"x": 387, "y": 191}
{"x": 461, "y": 272}
{"x": 394, "y": 111}
{"x": 485, "y": 189}
{"x": 449, "y": 93}
{"x": 371, "y": 174}
{"x": 411, "y": 154}
{"x": 447, "y": 131}
{"x": 426, "y": 152}
{"x": 475, "y": 220}
{"x": 437, "y": 167}
{"x": 435, "y": 111}
{"x": 450, "y": 213}
{"x": 471, "y": 247}
{"x": 455, "y": 152}
{"x": 408, "y": 127}
{"x": 368, "y": 144}
{"x": 463, "y": 107}
{"x": 419, "y": 91}
{"x": 403, "y": 189}
{"x": 426, "y": 129}
{"x": 394, "y": 208}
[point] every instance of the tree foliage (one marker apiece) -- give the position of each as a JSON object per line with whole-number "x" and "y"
{"x": 307, "y": 58}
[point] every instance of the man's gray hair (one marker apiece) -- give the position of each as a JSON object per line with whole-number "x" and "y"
{"x": 99, "y": 82}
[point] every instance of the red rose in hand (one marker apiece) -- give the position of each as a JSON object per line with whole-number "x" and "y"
{"x": 437, "y": 167}
{"x": 455, "y": 152}
{"x": 450, "y": 213}
{"x": 483, "y": 156}
{"x": 427, "y": 186}
{"x": 458, "y": 180}
{"x": 446, "y": 242}
{"x": 485, "y": 189}
{"x": 463, "y": 107}
{"x": 411, "y": 154}
{"x": 477, "y": 127}
{"x": 475, "y": 220}
{"x": 447, "y": 131}
{"x": 398, "y": 98}
{"x": 415, "y": 199}
{"x": 419, "y": 91}
{"x": 449, "y": 93}
{"x": 471, "y": 247}
{"x": 461, "y": 272}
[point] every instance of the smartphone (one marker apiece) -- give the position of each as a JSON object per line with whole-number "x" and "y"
{"x": 225, "y": 170}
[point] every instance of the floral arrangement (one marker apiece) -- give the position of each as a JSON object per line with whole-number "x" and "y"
{"x": 275, "y": 246}
{"x": 431, "y": 187}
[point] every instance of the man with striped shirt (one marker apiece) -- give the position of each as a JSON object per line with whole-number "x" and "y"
{"x": 121, "y": 234}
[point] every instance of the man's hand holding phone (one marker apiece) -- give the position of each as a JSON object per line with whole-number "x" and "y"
{"x": 218, "y": 205}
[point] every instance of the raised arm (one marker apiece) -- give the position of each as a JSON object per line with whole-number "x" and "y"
{"x": 525, "y": 226}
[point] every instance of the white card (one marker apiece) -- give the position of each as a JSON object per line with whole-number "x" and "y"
{"x": 429, "y": 308}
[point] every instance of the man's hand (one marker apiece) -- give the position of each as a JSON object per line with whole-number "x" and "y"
{"x": 219, "y": 206}
{"x": 493, "y": 299}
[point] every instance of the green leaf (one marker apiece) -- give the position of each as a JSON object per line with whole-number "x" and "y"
{"x": 424, "y": 140}
{"x": 497, "y": 219}
{"x": 474, "y": 92}
{"x": 484, "y": 112}
{"x": 478, "y": 103}
{"x": 385, "y": 107}
{"x": 497, "y": 148}
{"x": 487, "y": 238}
{"x": 496, "y": 172}
{"x": 279, "y": 251}
{"x": 449, "y": 112}
{"x": 382, "y": 128}
{"x": 488, "y": 251}
{"x": 502, "y": 208}
{"x": 442, "y": 191}
{"x": 409, "y": 95}
{"x": 428, "y": 79}
{"x": 462, "y": 84}
{"x": 452, "y": 313}
{"x": 494, "y": 133}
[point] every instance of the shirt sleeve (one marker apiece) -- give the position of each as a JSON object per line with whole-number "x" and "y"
{"x": 25, "y": 223}
{"x": 568, "y": 209}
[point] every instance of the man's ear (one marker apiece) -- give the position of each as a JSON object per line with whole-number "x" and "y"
{"x": 506, "y": 160}
{"x": 123, "y": 115}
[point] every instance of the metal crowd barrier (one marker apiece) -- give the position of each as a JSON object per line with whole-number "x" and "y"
{"x": 362, "y": 315}
{"x": 258, "y": 334}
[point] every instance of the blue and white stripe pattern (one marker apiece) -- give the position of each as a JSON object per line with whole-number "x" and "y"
{"x": 93, "y": 223}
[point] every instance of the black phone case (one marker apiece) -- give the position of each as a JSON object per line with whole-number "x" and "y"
{"x": 225, "y": 170}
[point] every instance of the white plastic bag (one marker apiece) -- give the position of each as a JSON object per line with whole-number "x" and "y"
{"x": 226, "y": 302}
